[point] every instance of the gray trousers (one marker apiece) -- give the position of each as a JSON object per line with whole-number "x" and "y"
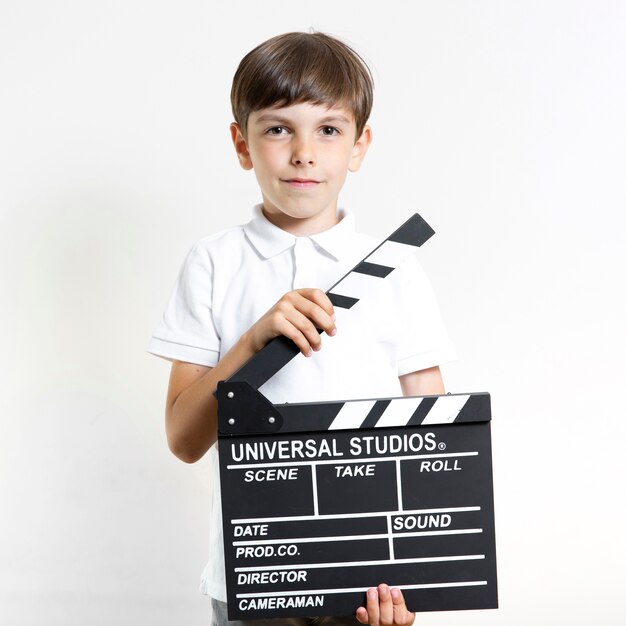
{"x": 220, "y": 619}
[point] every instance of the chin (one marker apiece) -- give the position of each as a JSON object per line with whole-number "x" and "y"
{"x": 300, "y": 213}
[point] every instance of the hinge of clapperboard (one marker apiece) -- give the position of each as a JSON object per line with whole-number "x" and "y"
{"x": 244, "y": 410}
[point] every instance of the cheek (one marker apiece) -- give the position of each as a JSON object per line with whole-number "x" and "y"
{"x": 262, "y": 156}
{"x": 339, "y": 164}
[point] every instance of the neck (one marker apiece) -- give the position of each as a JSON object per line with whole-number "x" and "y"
{"x": 303, "y": 226}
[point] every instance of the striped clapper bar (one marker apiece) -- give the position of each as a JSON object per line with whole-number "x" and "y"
{"x": 321, "y": 501}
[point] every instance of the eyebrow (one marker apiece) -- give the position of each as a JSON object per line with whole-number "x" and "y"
{"x": 273, "y": 117}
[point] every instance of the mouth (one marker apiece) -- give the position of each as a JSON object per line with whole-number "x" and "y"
{"x": 301, "y": 183}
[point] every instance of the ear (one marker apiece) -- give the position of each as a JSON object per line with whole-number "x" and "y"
{"x": 241, "y": 147}
{"x": 360, "y": 148}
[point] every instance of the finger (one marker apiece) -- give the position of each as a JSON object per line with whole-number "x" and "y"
{"x": 306, "y": 327}
{"x": 361, "y": 615}
{"x": 283, "y": 326}
{"x": 401, "y": 615}
{"x": 318, "y": 297}
{"x": 373, "y": 613}
{"x": 385, "y": 605}
{"x": 318, "y": 315}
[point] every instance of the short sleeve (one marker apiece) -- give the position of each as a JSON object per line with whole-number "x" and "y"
{"x": 187, "y": 330}
{"x": 423, "y": 340}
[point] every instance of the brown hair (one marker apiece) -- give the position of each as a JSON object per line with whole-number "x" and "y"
{"x": 302, "y": 67}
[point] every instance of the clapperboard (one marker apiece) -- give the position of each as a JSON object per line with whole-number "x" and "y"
{"x": 322, "y": 501}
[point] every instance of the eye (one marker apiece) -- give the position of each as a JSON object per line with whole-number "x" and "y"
{"x": 276, "y": 130}
{"x": 329, "y": 131}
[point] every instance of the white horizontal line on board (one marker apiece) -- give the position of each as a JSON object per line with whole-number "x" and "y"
{"x": 307, "y": 518}
{"x": 430, "y": 559}
{"x": 380, "y": 459}
{"x": 310, "y": 592}
{"x": 426, "y": 533}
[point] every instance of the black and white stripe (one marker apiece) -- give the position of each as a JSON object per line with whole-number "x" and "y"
{"x": 365, "y": 277}
{"x": 385, "y": 413}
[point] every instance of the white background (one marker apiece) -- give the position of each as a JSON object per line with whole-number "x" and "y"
{"x": 502, "y": 123}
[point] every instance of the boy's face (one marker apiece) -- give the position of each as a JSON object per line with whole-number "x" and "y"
{"x": 301, "y": 155}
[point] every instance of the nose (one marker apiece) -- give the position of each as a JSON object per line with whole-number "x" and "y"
{"x": 303, "y": 152}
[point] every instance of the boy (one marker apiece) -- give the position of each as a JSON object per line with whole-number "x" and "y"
{"x": 301, "y": 102}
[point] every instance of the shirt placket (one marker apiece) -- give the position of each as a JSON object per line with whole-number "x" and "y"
{"x": 303, "y": 265}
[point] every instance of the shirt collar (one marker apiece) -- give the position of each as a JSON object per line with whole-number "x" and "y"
{"x": 336, "y": 239}
{"x": 269, "y": 240}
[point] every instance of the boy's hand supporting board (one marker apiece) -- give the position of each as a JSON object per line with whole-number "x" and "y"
{"x": 297, "y": 315}
{"x": 385, "y": 607}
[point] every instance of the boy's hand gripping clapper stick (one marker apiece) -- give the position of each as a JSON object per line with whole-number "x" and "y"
{"x": 321, "y": 501}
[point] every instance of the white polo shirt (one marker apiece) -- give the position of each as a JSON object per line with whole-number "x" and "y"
{"x": 230, "y": 279}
